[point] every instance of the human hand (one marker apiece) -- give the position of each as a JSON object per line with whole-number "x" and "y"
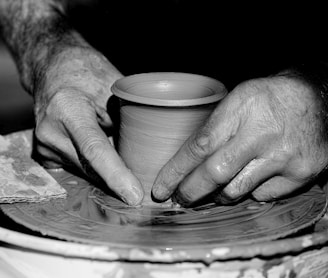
{"x": 70, "y": 109}
{"x": 265, "y": 139}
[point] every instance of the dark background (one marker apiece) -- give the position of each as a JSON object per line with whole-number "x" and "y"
{"x": 16, "y": 112}
{"x": 225, "y": 40}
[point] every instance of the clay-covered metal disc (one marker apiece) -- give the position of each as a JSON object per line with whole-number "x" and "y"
{"x": 90, "y": 216}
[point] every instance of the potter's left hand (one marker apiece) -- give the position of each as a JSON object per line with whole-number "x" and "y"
{"x": 71, "y": 117}
{"x": 266, "y": 139}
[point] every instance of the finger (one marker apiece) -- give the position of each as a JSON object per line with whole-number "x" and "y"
{"x": 48, "y": 158}
{"x": 50, "y": 164}
{"x": 215, "y": 172}
{"x": 102, "y": 116}
{"x": 250, "y": 177}
{"x": 276, "y": 188}
{"x": 95, "y": 151}
{"x": 194, "y": 151}
{"x": 57, "y": 152}
{"x": 92, "y": 153}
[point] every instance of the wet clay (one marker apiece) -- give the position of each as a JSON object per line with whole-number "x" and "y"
{"x": 150, "y": 136}
{"x": 159, "y": 111}
{"x": 89, "y": 215}
{"x": 103, "y": 236}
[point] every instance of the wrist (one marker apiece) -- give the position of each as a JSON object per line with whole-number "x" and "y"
{"x": 79, "y": 69}
{"x": 36, "y": 60}
{"x": 314, "y": 75}
{"x": 34, "y": 32}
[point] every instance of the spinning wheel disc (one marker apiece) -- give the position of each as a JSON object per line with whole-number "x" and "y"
{"x": 89, "y": 216}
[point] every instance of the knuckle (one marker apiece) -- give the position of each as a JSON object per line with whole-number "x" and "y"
{"x": 221, "y": 172}
{"x": 201, "y": 146}
{"x": 174, "y": 170}
{"x": 228, "y": 158}
{"x": 58, "y": 101}
{"x": 306, "y": 170}
{"x": 42, "y": 134}
{"x": 282, "y": 155}
{"x": 91, "y": 149}
{"x": 217, "y": 174}
{"x": 303, "y": 170}
{"x": 63, "y": 104}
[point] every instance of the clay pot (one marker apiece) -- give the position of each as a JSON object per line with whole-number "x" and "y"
{"x": 158, "y": 112}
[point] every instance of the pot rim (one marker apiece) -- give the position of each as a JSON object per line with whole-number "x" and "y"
{"x": 123, "y": 87}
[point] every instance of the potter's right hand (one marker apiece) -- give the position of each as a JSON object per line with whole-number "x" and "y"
{"x": 266, "y": 139}
{"x": 70, "y": 108}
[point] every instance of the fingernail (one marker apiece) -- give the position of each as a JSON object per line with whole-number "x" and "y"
{"x": 132, "y": 196}
{"x": 177, "y": 198}
{"x": 160, "y": 192}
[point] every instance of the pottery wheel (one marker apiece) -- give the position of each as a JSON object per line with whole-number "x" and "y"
{"x": 88, "y": 215}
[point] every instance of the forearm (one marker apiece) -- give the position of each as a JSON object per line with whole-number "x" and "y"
{"x": 42, "y": 42}
{"x": 33, "y": 30}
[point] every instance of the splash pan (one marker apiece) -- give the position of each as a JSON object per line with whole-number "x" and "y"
{"x": 93, "y": 218}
